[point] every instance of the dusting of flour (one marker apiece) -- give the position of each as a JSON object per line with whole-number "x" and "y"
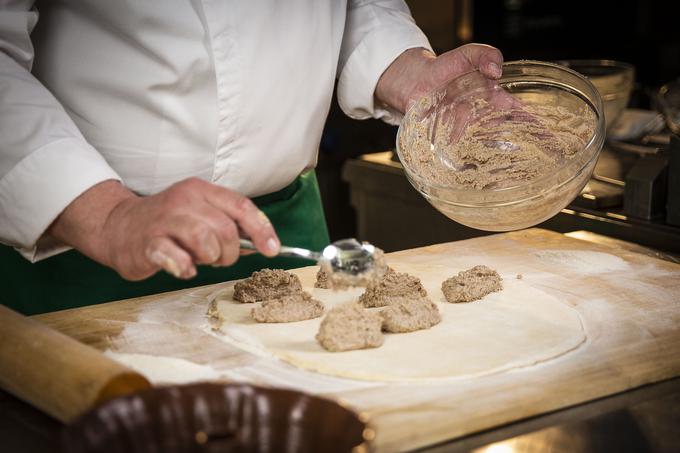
{"x": 582, "y": 261}
{"x": 165, "y": 370}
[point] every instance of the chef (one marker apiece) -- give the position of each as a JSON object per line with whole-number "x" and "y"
{"x": 145, "y": 136}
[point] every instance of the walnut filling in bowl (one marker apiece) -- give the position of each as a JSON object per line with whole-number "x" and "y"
{"x": 507, "y": 154}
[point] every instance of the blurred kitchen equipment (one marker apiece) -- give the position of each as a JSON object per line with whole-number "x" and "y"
{"x": 673, "y": 203}
{"x": 218, "y": 418}
{"x": 56, "y": 373}
{"x": 598, "y": 194}
{"x": 646, "y": 185}
{"x": 636, "y": 123}
{"x": 526, "y": 203}
{"x": 613, "y": 79}
{"x": 669, "y": 101}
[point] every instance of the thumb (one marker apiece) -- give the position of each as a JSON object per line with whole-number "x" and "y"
{"x": 487, "y": 59}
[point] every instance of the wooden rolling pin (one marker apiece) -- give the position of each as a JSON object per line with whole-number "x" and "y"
{"x": 56, "y": 373}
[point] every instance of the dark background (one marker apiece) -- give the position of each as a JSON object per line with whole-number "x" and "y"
{"x": 645, "y": 33}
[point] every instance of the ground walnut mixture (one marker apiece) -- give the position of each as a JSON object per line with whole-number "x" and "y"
{"x": 322, "y": 279}
{"x": 499, "y": 147}
{"x": 472, "y": 284}
{"x": 290, "y": 308}
{"x": 408, "y": 314}
{"x": 393, "y": 284}
{"x": 266, "y": 284}
{"x": 348, "y": 327}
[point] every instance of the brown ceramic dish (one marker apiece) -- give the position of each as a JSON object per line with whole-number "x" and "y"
{"x": 217, "y": 418}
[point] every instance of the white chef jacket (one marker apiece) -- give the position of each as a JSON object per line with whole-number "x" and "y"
{"x": 150, "y": 93}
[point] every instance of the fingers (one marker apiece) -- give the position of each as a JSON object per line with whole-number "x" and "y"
{"x": 254, "y": 223}
{"x": 193, "y": 222}
{"x": 488, "y": 59}
{"x": 226, "y": 231}
{"x": 206, "y": 237}
{"x": 207, "y": 240}
{"x": 163, "y": 253}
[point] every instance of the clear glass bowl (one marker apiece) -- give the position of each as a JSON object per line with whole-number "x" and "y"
{"x": 614, "y": 81}
{"x": 440, "y": 118}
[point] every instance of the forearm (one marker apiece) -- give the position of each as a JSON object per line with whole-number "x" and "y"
{"x": 45, "y": 162}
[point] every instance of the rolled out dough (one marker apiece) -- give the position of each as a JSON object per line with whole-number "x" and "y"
{"x": 517, "y": 327}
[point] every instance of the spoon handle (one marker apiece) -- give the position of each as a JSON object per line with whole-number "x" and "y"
{"x": 284, "y": 251}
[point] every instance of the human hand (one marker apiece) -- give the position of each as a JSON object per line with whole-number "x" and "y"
{"x": 192, "y": 222}
{"x": 416, "y": 72}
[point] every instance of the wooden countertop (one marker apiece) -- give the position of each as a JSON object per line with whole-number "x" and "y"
{"x": 631, "y": 316}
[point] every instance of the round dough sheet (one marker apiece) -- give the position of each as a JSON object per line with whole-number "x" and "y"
{"x": 517, "y": 327}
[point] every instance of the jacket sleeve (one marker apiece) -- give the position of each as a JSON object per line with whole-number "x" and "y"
{"x": 376, "y": 33}
{"x": 45, "y": 162}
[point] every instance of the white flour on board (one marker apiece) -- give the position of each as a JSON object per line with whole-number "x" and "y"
{"x": 583, "y": 261}
{"x": 172, "y": 370}
{"x": 188, "y": 311}
{"x": 165, "y": 370}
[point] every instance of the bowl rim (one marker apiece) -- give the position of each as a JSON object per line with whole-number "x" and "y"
{"x": 594, "y": 62}
{"x": 599, "y": 111}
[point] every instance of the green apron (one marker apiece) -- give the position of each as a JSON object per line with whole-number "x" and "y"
{"x": 72, "y": 280}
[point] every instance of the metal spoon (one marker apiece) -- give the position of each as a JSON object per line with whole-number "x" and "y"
{"x": 346, "y": 256}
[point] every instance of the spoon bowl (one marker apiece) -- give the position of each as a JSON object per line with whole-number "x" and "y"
{"x": 350, "y": 256}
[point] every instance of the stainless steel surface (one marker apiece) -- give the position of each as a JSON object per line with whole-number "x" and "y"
{"x": 640, "y": 420}
{"x": 633, "y": 148}
{"x": 646, "y": 189}
{"x": 284, "y": 251}
{"x": 350, "y": 256}
{"x": 346, "y": 256}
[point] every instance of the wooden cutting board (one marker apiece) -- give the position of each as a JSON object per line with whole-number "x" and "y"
{"x": 629, "y": 304}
